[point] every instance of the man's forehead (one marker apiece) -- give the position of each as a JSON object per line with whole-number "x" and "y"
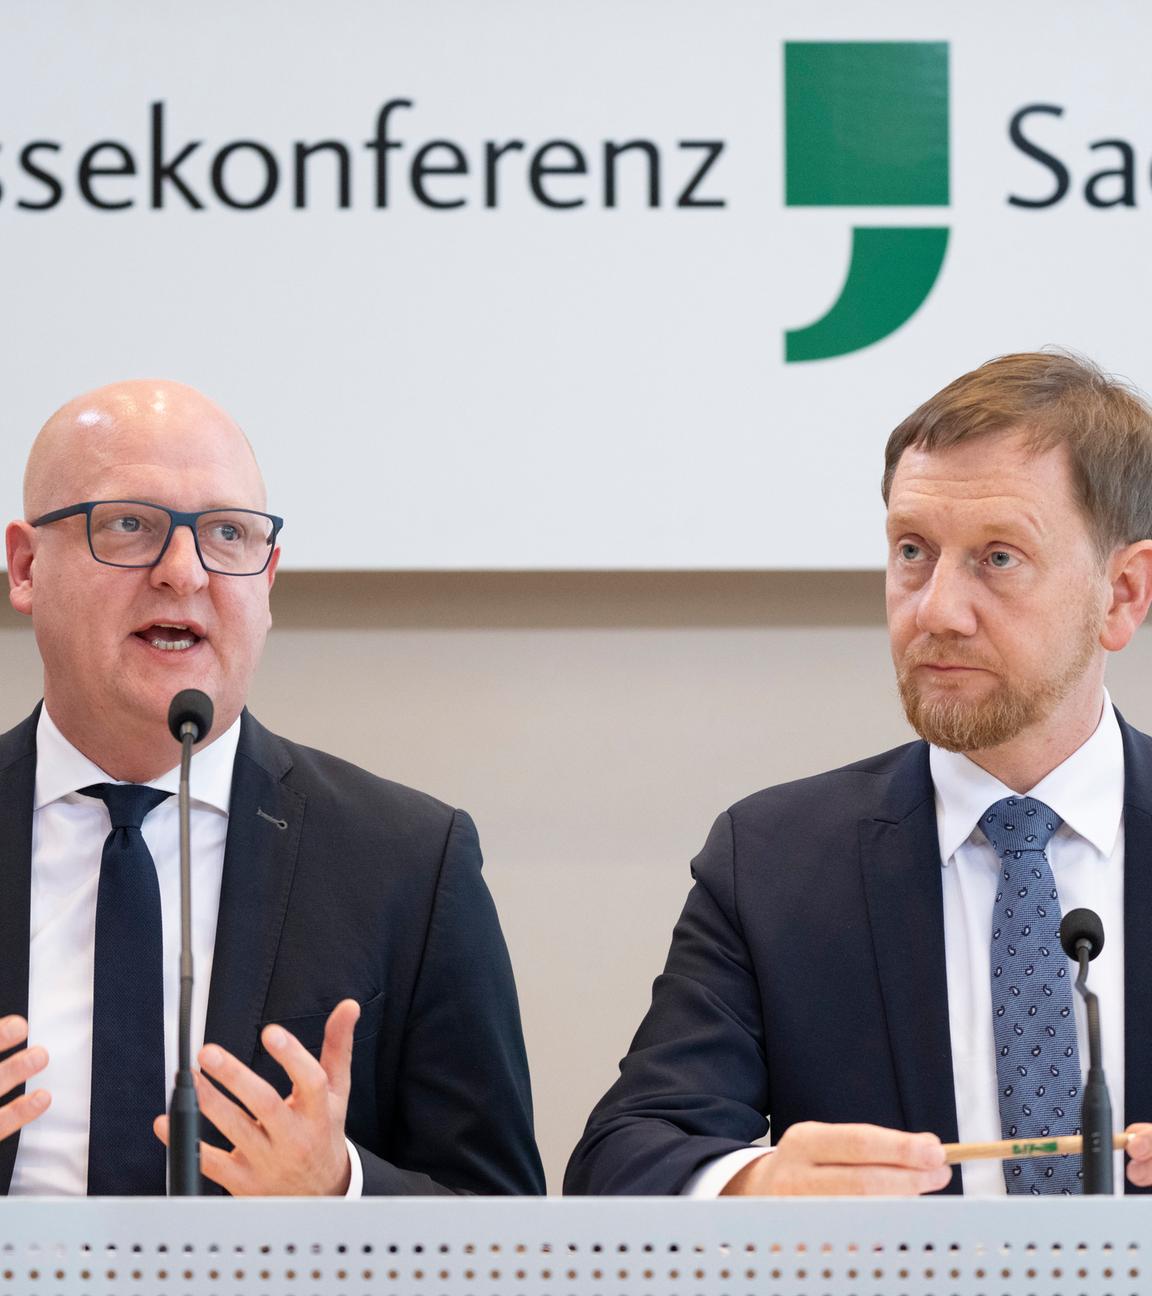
{"x": 1008, "y": 464}
{"x": 1002, "y": 483}
{"x": 971, "y": 520}
{"x": 137, "y": 433}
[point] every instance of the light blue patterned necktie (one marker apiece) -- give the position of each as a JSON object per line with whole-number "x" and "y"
{"x": 1037, "y": 1053}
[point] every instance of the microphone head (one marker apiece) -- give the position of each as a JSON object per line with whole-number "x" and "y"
{"x": 1081, "y": 925}
{"x": 190, "y": 706}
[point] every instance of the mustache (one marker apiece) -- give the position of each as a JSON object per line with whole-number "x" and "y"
{"x": 937, "y": 652}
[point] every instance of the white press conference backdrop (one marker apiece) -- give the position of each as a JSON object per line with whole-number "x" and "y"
{"x": 470, "y": 331}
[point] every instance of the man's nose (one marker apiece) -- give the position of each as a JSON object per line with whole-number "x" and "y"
{"x": 947, "y": 602}
{"x": 180, "y": 568}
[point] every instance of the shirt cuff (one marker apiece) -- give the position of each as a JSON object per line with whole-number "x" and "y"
{"x": 714, "y": 1176}
{"x": 356, "y": 1166}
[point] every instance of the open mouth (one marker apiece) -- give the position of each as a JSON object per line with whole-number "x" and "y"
{"x": 169, "y": 636}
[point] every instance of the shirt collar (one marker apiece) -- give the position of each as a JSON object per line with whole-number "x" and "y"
{"x": 61, "y": 769}
{"x": 1086, "y": 790}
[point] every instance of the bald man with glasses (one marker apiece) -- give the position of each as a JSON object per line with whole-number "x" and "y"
{"x": 355, "y": 1016}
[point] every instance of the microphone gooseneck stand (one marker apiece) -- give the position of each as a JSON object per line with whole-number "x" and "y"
{"x": 1082, "y": 936}
{"x": 189, "y": 719}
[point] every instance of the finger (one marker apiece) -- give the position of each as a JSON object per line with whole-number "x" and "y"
{"x": 243, "y": 1083}
{"x": 336, "y": 1055}
{"x": 1140, "y": 1141}
{"x": 227, "y": 1169}
{"x": 866, "y": 1145}
{"x": 1140, "y": 1173}
{"x": 13, "y": 1031}
{"x": 880, "y": 1180}
{"x": 221, "y": 1167}
{"x": 309, "y": 1080}
{"x": 21, "y": 1066}
{"x": 229, "y": 1117}
{"x": 18, "y": 1113}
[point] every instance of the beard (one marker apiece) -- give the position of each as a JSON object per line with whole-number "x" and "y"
{"x": 960, "y": 724}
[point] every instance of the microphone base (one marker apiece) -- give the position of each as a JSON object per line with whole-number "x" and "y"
{"x": 184, "y": 1140}
{"x": 1096, "y": 1127}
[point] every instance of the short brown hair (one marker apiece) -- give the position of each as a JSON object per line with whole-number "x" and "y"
{"x": 1061, "y": 399}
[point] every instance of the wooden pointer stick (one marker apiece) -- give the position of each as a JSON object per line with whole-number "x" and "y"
{"x": 1015, "y": 1149}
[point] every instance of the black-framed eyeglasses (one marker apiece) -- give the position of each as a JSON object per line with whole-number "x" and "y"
{"x": 135, "y": 533}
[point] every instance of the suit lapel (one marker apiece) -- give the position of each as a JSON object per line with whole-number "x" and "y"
{"x": 17, "y": 789}
{"x": 259, "y": 862}
{"x": 900, "y": 859}
{"x": 1137, "y": 924}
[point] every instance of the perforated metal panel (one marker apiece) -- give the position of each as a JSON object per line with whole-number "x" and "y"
{"x": 602, "y": 1247}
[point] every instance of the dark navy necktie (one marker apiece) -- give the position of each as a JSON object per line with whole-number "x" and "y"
{"x": 125, "y": 1158}
{"x": 1037, "y": 1053}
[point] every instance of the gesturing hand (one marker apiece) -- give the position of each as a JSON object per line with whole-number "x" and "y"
{"x": 14, "y": 1071}
{"x": 290, "y": 1146}
{"x": 814, "y": 1159}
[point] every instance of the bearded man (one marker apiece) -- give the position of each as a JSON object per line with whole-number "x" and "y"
{"x": 868, "y": 964}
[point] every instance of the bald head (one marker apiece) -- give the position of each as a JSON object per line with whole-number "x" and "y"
{"x": 92, "y": 437}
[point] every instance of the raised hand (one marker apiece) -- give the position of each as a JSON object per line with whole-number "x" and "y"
{"x": 290, "y": 1146}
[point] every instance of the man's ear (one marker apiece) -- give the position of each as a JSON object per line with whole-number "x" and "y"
{"x": 1130, "y": 587}
{"x": 20, "y": 541}
{"x": 271, "y": 574}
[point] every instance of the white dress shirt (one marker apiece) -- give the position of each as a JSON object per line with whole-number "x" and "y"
{"x": 1087, "y": 858}
{"x": 68, "y": 834}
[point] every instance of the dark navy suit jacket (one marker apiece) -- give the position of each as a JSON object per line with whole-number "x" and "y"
{"x": 806, "y": 978}
{"x": 368, "y": 891}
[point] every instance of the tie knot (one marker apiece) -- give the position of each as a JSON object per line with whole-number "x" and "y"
{"x": 128, "y": 803}
{"x": 1018, "y": 824}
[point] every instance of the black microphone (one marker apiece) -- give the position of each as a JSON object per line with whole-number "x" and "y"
{"x": 190, "y": 707}
{"x": 1082, "y": 938}
{"x": 189, "y": 719}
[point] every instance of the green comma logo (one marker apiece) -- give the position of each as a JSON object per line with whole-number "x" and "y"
{"x": 866, "y": 125}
